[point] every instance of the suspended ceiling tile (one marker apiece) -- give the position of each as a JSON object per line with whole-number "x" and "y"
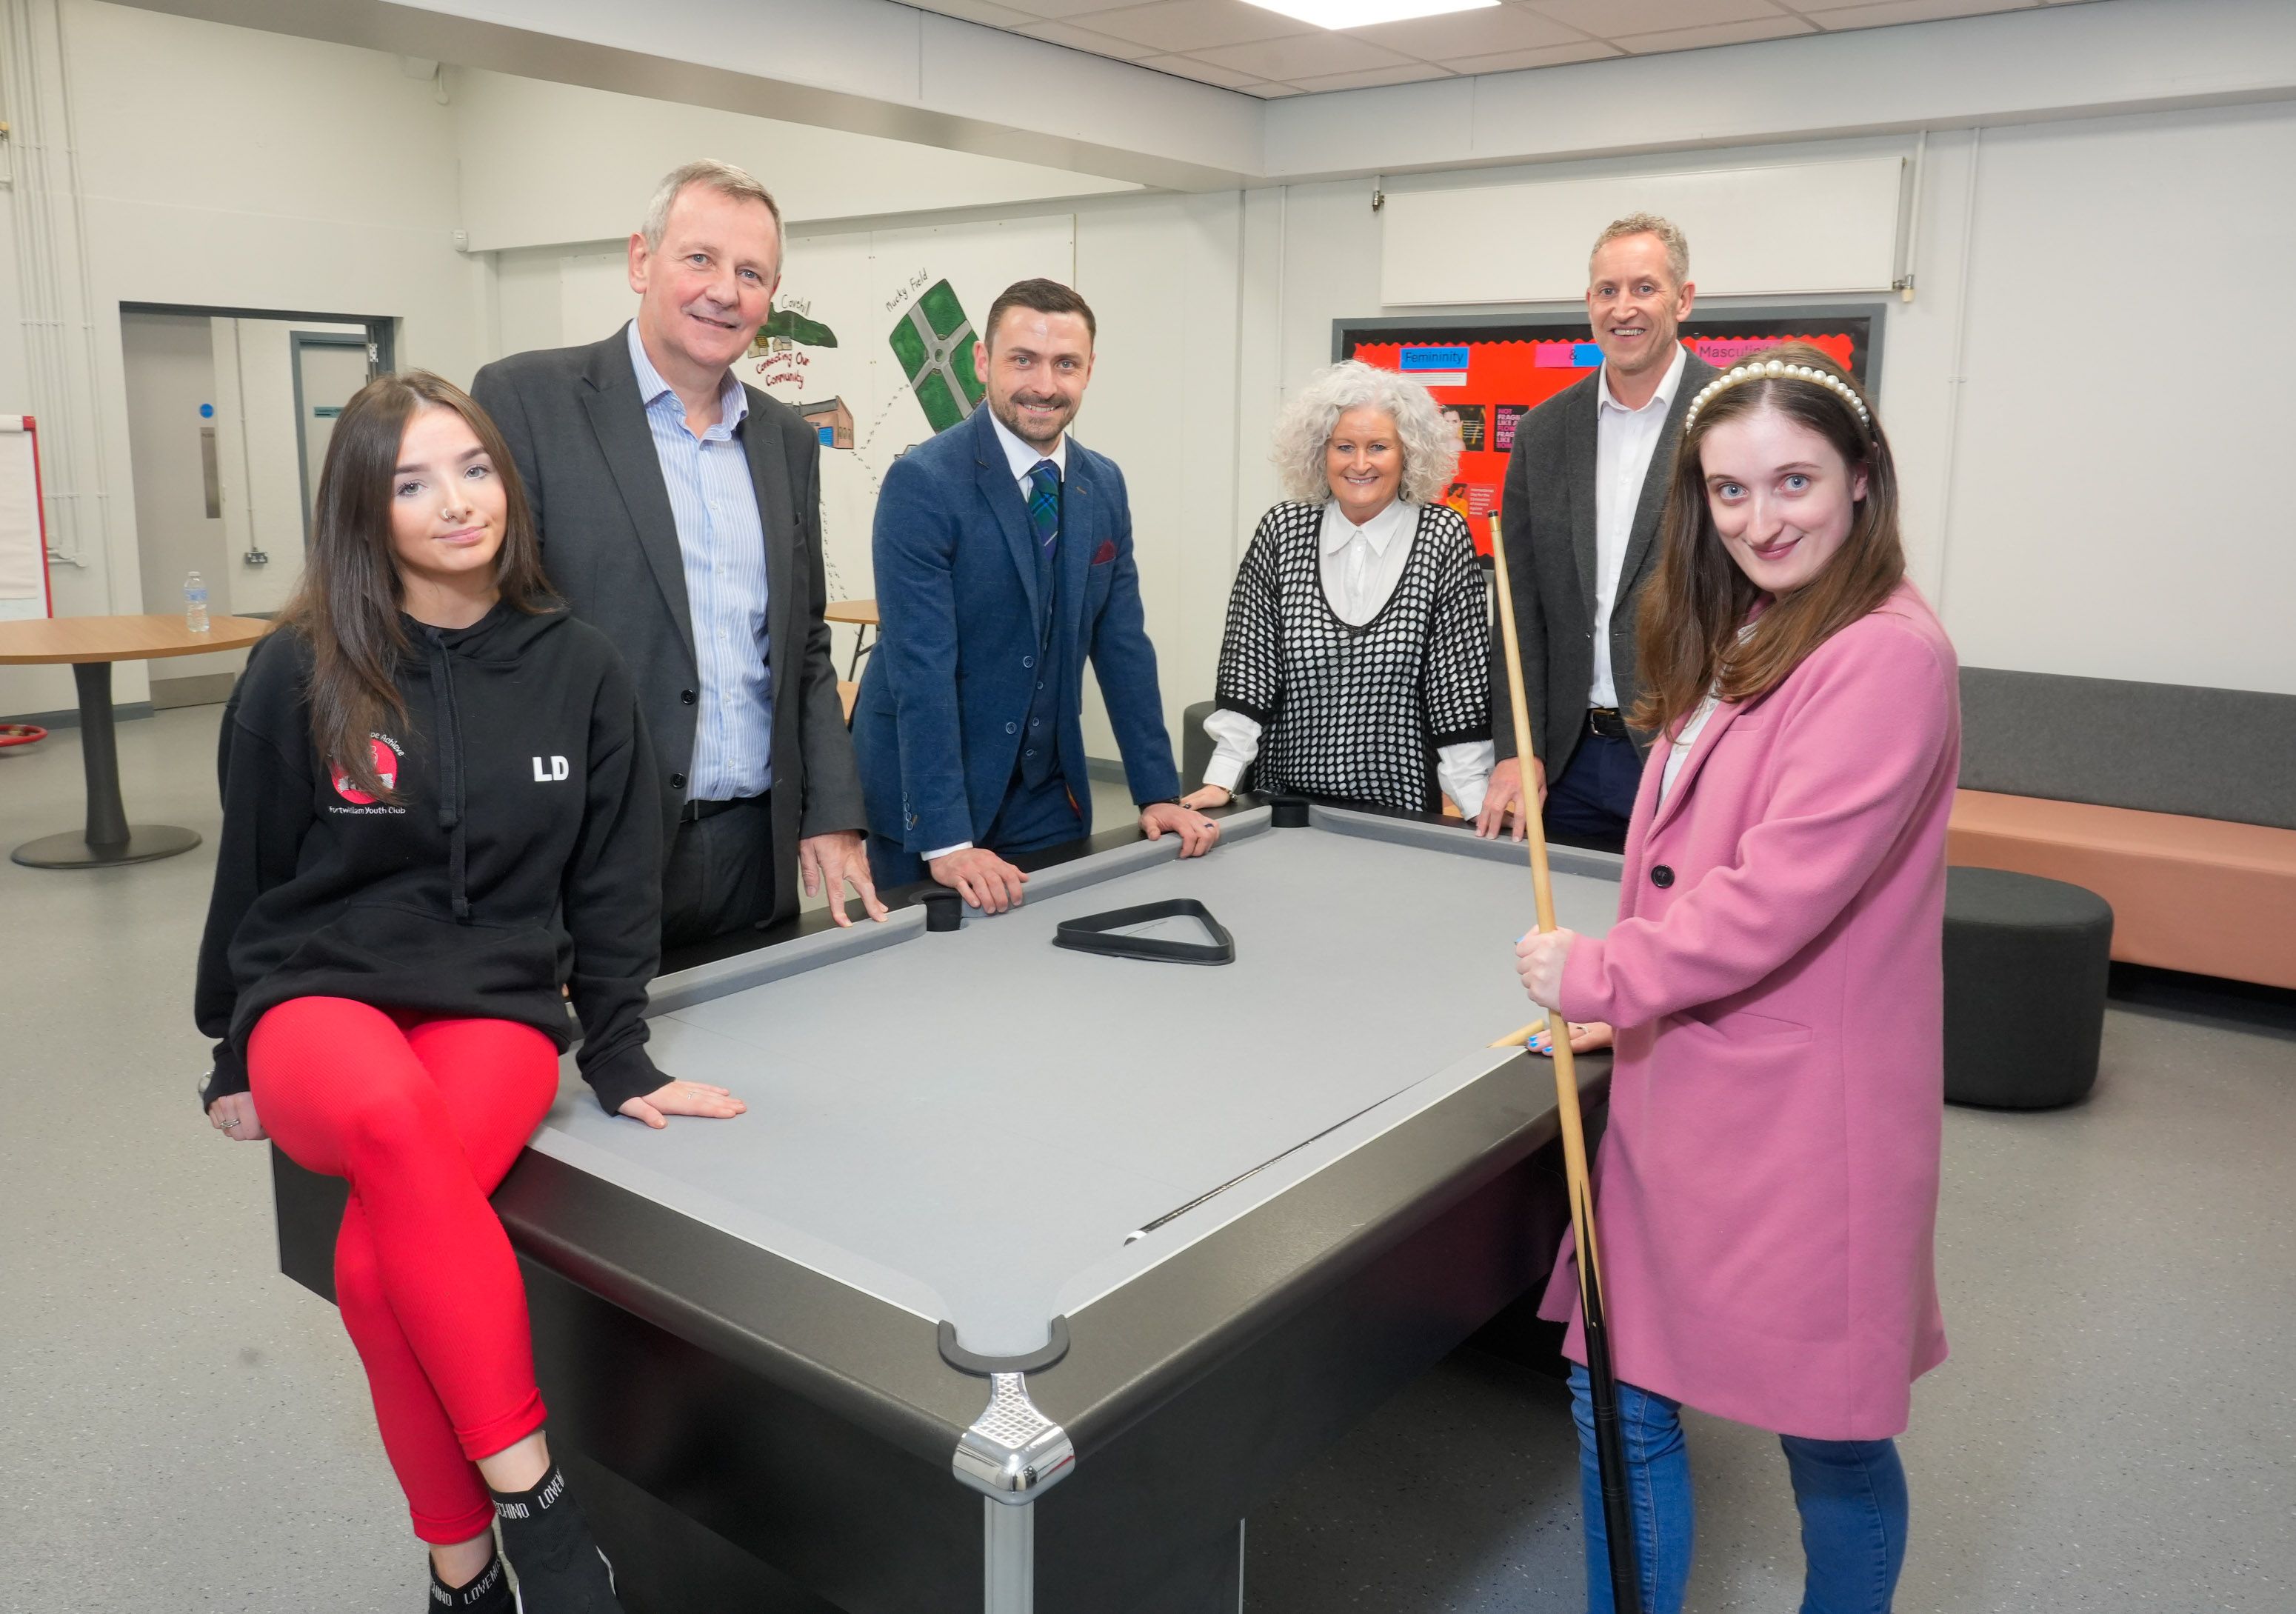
{"x": 1615, "y": 19}
{"x": 1196, "y": 25}
{"x": 1719, "y": 33}
{"x": 1203, "y": 72}
{"x": 1083, "y": 39}
{"x": 1553, "y": 55}
{"x": 1056, "y": 10}
{"x": 1881, "y": 13}
{"x": 982, "y": 10}
{"x": 1307, "y": 55}
{"x": 1477, "y": 33}
{"x": 1410, "y": 72}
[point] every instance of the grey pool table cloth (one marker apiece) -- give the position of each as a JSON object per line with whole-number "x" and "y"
{"x": 909, "y": 1133}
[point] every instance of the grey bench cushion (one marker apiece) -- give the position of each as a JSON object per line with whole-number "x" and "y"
{"x": 2160, "y": 748}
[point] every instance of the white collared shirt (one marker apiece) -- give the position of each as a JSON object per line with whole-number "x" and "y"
{"x": 1023, "y": 460}
{"x": 1625, "y": 439}
{"x": 1360, "y": 567}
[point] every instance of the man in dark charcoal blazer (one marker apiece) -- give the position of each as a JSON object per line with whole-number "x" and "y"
{"x": 1585, "y": 481}
{"x": 680, "y": 513}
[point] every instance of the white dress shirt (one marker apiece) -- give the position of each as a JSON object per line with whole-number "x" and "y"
{"x": 1361, "y": 566}
{"x": 1023, "y": 460}
{"x": 1624, "y": 441}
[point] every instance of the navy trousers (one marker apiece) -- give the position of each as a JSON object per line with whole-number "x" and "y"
{"x": 1029, "y": 819}
{"x": 1591, "y": 803}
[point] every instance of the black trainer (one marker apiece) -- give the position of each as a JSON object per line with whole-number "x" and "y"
{"x": 559, "y": 1565}
{"x": 489, "y": 1594}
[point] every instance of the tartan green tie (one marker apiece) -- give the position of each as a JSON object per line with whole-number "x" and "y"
{"x": 1045, "y": 505}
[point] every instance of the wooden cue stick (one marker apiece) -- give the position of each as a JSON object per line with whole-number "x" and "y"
{"x": 1542, "y": 883}
{"x": 1610, "y": 1449}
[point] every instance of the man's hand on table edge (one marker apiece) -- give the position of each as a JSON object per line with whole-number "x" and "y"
{"x": 830, "y": 863}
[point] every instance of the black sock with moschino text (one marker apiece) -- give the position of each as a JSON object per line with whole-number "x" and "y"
{"x": 489, "y": 1594}
{"x": 559, "y": 1567}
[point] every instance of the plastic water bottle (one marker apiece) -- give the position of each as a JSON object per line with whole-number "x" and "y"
{"x": 195, "y": 604}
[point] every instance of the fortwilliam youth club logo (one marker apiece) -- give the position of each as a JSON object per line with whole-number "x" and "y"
{"x": 385, "y": 752}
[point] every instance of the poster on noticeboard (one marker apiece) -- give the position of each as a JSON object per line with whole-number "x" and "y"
{"x": 1488, "y": 372}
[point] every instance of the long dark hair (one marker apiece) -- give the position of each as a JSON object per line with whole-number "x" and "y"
{"x": 348, "y": 603}
{"x": 1687, "y": 637}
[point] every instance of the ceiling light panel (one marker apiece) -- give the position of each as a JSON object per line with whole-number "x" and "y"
{"x": 1362, "y": 13}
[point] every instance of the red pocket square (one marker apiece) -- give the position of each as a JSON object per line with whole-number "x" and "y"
{"x": 1105, "y": 553}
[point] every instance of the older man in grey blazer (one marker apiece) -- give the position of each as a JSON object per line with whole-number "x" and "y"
{"x": 680, "y": 513}
{"x": 1585, "y": 482}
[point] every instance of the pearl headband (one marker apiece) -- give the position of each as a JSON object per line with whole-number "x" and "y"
{"x": 1767, "y": 370}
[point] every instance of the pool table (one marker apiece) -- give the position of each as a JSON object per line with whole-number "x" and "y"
{"x": 1029, "y": 1270}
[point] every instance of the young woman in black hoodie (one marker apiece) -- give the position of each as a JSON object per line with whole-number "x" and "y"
{"x": 440, "y": 823}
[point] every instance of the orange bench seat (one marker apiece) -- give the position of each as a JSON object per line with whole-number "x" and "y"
{"x": 2197, "y": 894}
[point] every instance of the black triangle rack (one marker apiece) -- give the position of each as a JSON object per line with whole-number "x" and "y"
{"x": 1093, "y": 934}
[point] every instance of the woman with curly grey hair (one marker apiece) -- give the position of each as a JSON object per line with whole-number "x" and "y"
{"x": 1357, "y": 659}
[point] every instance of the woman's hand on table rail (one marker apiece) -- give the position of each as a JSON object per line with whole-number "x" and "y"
{"x": 683, "y": 1098}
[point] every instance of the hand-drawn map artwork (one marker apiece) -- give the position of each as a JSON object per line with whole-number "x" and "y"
{"x": 934, "y": 341}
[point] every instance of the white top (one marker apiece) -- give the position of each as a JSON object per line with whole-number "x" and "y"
{"x": 1023, "y": 459}
{"x": 1624, "y": 441}
{"x": 1361, "y": 566}
{"x": 1687, "y": 741}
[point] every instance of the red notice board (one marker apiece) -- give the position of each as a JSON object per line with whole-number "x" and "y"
{"x": 1487, "y": 374}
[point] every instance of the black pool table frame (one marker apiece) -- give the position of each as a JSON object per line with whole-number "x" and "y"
{"x": 747, "y": 1433}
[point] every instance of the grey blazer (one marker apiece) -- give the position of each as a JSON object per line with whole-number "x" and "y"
{"x": 579, "y": 433}
{"x": 1547, "y": 519}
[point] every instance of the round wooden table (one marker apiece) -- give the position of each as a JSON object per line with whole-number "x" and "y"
{"x": 862, "y": 614}
{"x": 91, "y": 644}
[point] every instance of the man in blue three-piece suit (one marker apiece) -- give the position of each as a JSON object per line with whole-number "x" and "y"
{"x": 1003, "y": 559}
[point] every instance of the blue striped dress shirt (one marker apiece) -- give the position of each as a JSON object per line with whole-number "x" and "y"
{"x": 723, "y": 540}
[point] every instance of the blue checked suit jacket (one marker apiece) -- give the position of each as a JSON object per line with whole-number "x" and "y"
{"x": 936, "y": 727}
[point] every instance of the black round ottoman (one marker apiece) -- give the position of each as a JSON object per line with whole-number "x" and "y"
{"x": 2025, "y": 966}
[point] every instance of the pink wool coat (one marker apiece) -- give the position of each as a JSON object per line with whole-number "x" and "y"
{"x": 1766, "y": 1195}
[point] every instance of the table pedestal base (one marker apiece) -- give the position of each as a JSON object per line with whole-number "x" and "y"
{"x": 72, "y": 850}
{"x": 109, "y": 838}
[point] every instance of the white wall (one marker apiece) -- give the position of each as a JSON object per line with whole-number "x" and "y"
{"x": 2087, "y": 466}
{"x": 590, "y": 177}
{"x": 2117, "y": 503}
{"x": 227, "y": 168}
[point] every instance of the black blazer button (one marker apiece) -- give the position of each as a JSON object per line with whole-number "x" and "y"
{"x": 688, "y": 696}
{"x": 678, "y": 783}
{"x": 1661, "y": 875}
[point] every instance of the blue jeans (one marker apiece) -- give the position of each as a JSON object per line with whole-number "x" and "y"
{"x": 1850, "y": 1494}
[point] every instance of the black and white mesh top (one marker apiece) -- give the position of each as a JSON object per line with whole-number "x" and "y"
{"x": 1358, "y": 712}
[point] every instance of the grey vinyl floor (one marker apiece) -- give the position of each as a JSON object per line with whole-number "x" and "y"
{"x": 182, "y": 1428}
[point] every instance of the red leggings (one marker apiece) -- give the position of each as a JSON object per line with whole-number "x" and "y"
{"x": 422, "y": 1118}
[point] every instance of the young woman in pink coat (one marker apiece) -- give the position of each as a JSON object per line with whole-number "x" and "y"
{"x": 1768, "y": 1188}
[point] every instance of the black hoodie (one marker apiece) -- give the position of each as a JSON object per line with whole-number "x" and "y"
{"x": 523, "y": 856}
